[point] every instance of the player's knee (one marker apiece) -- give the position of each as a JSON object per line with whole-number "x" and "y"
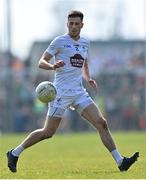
{"x": 102, "y": 124}
{"x": 48, "y": 134}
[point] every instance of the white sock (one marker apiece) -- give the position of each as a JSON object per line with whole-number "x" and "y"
{"x": 17, "y": 151}
{"x": 117, "y": 157}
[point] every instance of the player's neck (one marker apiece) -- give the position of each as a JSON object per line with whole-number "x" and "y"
{"x": 75, "y": 38}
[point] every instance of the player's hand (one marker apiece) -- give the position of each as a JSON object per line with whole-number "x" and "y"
{"x": 58, "y": 64}
{"x": 93, "y": 84}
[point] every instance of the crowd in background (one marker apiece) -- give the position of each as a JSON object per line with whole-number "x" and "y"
{"x": 121, "y": 93}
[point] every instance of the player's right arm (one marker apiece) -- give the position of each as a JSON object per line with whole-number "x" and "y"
{"x": 44, "y": 62}
{"x": 51, "y": 51}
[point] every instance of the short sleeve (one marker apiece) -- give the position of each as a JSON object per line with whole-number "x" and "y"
{"x": 53, "y": 47}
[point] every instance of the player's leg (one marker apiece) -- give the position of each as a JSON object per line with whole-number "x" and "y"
{"x": 50, "y": 127}
{"x": 87, "y": 109}
{"x": 95, "y": 117}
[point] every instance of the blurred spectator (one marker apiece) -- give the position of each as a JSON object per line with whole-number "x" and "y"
{"x": 21, "y": 118}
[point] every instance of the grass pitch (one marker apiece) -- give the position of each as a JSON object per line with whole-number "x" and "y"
{"x": 74, "y": 156}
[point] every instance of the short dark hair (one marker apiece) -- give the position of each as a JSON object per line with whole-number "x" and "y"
{"x": 75, "y": 13}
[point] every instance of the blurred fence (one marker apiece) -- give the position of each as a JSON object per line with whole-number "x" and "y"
{"x": 118, "y": 67}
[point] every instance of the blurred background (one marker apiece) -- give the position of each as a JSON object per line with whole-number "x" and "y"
{"x": 117, "y": 31}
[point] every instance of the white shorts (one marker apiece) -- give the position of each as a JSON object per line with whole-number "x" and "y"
{"x": 78, "y": 99}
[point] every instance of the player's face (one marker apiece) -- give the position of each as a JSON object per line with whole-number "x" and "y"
{"x": 74, "y": 27}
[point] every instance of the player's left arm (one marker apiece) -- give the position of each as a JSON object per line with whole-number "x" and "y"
{"x": 86, "y": 75}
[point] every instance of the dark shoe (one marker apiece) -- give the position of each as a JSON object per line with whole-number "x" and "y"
{"x": 127, "y": 162}
{"x": 12, "y": 161}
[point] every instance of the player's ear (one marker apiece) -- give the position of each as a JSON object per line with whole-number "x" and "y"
{"x": 82, "y": 24}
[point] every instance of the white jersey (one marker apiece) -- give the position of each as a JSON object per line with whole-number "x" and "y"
{"x": 73, "y": 53}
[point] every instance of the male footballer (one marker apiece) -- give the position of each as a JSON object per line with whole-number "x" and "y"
{"x": 71, "y": 66}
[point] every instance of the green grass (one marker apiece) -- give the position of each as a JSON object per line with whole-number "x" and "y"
{"x": 74, "y": 156}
